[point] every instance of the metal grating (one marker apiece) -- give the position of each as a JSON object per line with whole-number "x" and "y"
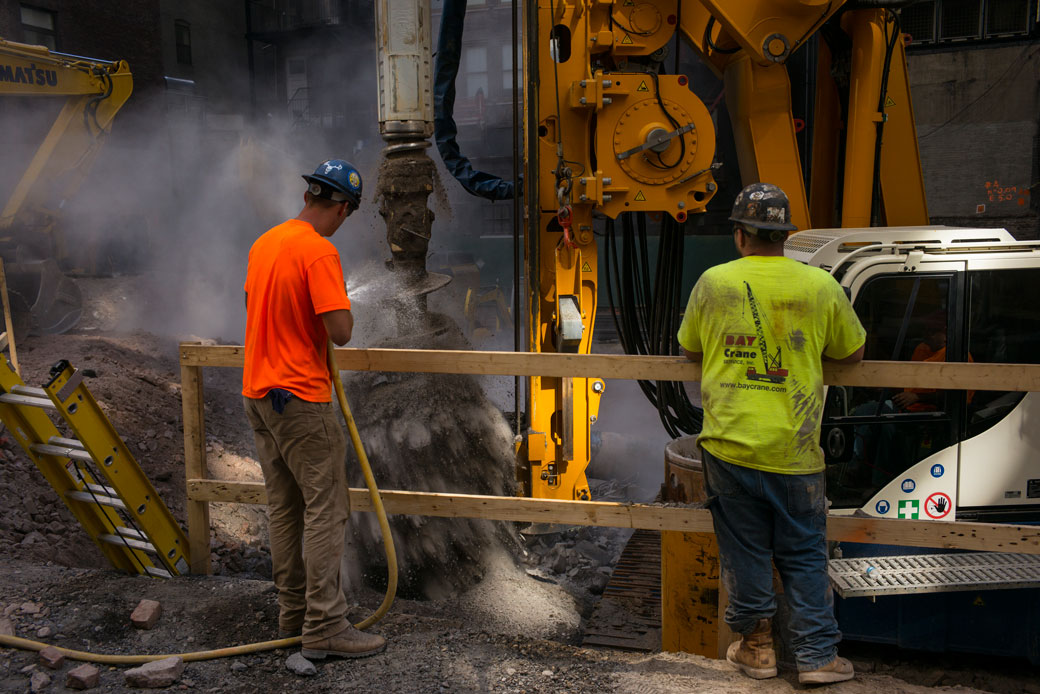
{"x": 918, "y": 20}
{"x": 960, "y": 19}
{"x": 933, "y": 573}
{"x": 1007, "y": 17}
{"x": 628, "y": 615}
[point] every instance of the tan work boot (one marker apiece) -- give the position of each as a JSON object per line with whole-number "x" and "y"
{"x": 838, "y": 670}
{"x": 753, "y": 654}
{"x": 349, "y": 643}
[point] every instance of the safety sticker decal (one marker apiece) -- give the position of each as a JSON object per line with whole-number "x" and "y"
{"x": 585, "y": 267}
{"x": 882, "y": 507}
{"x": 640, "y": 197}
{"x": 938, "y": 470}
{"x": 938, "y": 505}
{"x": 627, "y": 41}
{"x": 910, "y": 508}
{"x": 908, "y": 485}
{"x": 642, "y": 85}
{"x": 889, "y": 102}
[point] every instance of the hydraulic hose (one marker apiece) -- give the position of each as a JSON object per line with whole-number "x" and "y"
{"x": 388, "y": 545}
{"x": 373, "y": 491}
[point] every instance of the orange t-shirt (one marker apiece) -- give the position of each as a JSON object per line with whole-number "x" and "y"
{"x": 294, "y": 276}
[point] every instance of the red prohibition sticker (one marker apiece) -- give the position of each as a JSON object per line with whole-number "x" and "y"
{"x": 938, "y": 505}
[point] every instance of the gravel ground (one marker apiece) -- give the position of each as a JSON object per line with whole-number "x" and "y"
{"x": 515, "y": 626}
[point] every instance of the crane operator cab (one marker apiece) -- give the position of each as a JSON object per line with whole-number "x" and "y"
{"x": 934, "y": 294}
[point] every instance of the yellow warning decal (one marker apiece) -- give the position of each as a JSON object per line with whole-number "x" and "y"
{"x": 626, "y": 41}
{"x": 642, "y": 87}
{"x": 889, "y": 103}
{"x": 978, "y": 602}
{"x": 629, "y": 3}
{"x": 585, "y": 267}
{"x": 640, "y": 197}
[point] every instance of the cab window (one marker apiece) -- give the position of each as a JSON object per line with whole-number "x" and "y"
{"x": 1003, "y": 327}
{"x": 881, "y": 432}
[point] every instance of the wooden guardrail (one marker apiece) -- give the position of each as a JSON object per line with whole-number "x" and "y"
{"x": 201, "y": 491}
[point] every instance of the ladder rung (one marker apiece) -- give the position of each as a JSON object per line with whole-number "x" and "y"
{"x": 158, "y": 573}
{"x": 102, "y": 489}
{"x": 28, "y": 400}
{"x": 96, "y": 499}
{"x": 68, "y": 443}
{"x": 29, "y": 390}
{"x": 62, "y": 451}
{"x": 127, "y": 542}
{"x": 130, "y": 532}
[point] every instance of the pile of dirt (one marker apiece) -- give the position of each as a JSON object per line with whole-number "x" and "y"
{"x": 432, "y": 433}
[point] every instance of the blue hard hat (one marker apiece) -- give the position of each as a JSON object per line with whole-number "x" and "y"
{"x": 336, "y": 180}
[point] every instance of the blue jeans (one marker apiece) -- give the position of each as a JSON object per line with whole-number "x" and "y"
{"x": 762, "y": 516}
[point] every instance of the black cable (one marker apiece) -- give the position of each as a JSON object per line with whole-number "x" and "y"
{"x": 645, "y": 307}
{"x": 711, "y": 44}
{"x": 560, "y": 161}
{"x": 675, "y": 124}
{"x": 678, "y": 37}
{"x": 875, "y": 195}
{"x": 91, "y": 474}
{"x": 813, "y": 28}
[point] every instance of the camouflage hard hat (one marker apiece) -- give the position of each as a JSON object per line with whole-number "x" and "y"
{"x": 763, "y": 207}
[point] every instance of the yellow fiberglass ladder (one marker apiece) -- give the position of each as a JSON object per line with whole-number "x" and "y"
{"x": 94, "y": 472}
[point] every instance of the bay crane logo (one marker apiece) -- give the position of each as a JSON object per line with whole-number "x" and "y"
{"x": 773, "y": 370}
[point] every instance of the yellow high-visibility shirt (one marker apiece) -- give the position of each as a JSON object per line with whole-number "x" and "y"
{"x": 763, "y": 324}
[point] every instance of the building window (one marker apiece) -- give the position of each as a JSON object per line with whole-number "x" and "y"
{"x": 507, "y": 68}
{"x": 182, "y": 39}
{"x": 938, "y": 21}
{"x": 475, "y": 64}
{"x": 1007, "y": 18}
{"x": 38, "y": 27}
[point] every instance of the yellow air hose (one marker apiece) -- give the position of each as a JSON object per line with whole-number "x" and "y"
{"x": 388, "y": 546}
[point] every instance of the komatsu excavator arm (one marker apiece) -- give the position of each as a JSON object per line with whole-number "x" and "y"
{"x": 94, "y": 91}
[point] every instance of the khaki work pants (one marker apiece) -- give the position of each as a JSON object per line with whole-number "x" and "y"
{"x": 303, "y": 455}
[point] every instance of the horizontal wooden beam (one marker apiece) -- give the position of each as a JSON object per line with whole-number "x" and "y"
{"x": 504, "y": 508}
{"x": 988, "y": 537}
{"x": 953, "y": 375}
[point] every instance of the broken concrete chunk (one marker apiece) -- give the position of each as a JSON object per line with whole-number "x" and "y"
{"x": 146, "y": 614}
{"x": 6, "y": 627}
{"x": 156, "y": 674}
{"x": 29, "y": 608}
{"x": 39, "y": 681}
{"x": 300, "y": 665}
{"x": 85, "y": 676}
{"x": 52, "y": 657}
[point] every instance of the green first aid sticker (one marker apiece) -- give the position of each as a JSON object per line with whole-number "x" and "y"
{"x": 910, "y": 508}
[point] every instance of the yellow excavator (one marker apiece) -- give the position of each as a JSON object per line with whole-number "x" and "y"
{"x": 43, "y": 298}
{"x": 610, "y": 133}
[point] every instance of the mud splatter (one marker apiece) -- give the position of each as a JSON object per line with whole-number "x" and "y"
{"x": 797, "y": 340}
{"x": 808, "y": 408}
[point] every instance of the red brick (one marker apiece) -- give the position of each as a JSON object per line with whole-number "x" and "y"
{"x": 83, "y": 677}
{"x": 52, "y": 657}
{"x": 146, "y": 614}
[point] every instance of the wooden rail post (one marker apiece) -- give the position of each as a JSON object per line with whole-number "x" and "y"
{"x": 194, "y": 414}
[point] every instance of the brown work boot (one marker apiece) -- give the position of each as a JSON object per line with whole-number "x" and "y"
{"x": 349, "y": 643}
{"x": 753, "y": 654}
{"x": 838, "y": 670}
